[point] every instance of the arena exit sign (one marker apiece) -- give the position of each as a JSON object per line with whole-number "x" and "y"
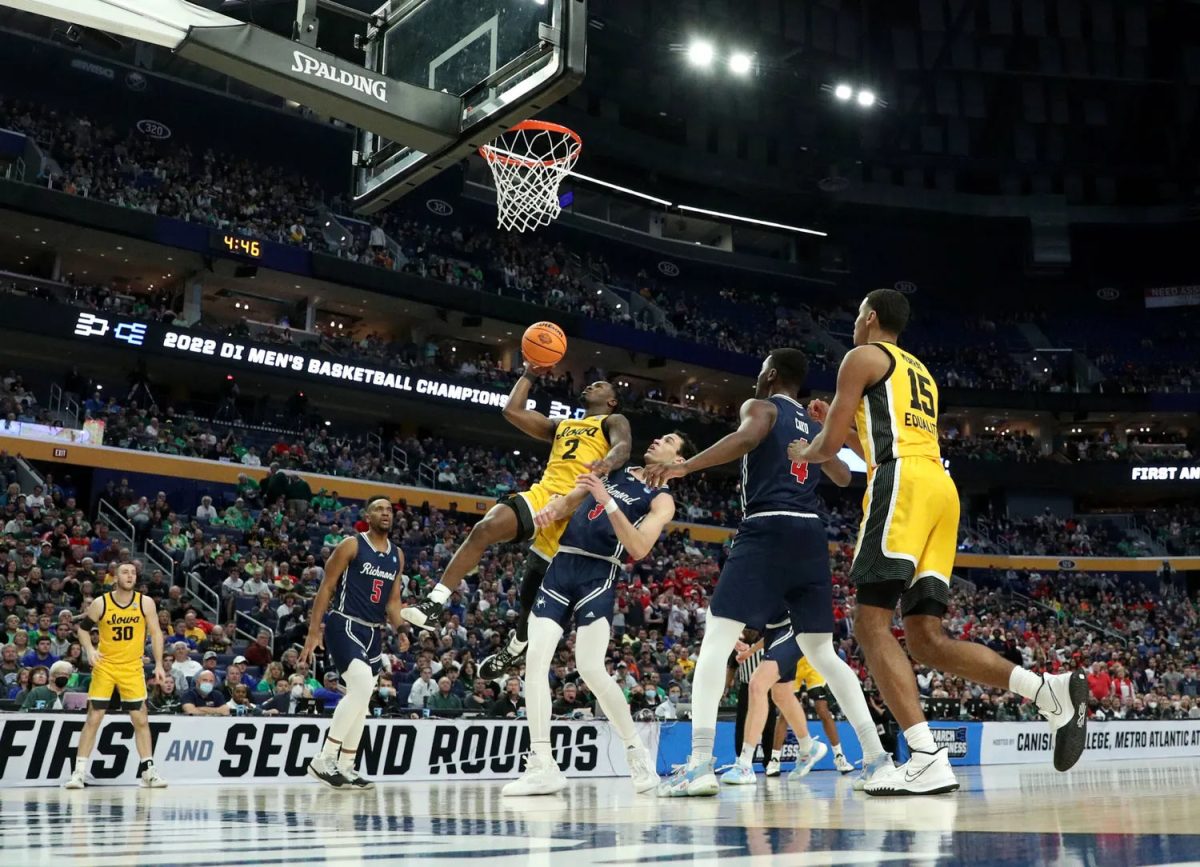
{"x": 1165, "y": 474}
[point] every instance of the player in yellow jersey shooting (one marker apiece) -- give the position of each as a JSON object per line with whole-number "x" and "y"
{"x": 599, "y": 443}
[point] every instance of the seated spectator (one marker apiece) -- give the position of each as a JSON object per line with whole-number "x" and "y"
{"x": 217, "y": 641}
{"x": 331, "y": 691}
{"x": 383, "y": 699}
{"x": 204, "y": 699}
{"x": 571, "y": 701}
{"x": 40, "y": 655}
{"x": 240, "y": 703}
{"x": 272, "y": 676}
{"x": 444, "y": 699}
{"x": 206, "y": 511}
{"x": 258, "y": 653}
{"x": 48, "y": 696}
{"x": 165, "y": 698}
{"x": 192, "y": 628}
{"x": 510, "y": 702}
{"x": 479, "y": 700}
{"x": 423, "y": 688}
{"x": 183, "y": 668}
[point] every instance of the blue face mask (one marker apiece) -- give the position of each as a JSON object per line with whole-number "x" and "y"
{"x": 205, "y": 688}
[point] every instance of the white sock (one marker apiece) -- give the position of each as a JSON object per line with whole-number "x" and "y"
{"x": 82, "y": 764}
{"x": 541, "y": 749}
{"x": 776, "y": 755}
{"x": 708, "y": 681}
{"x": 1024, "y": 683}
{"x": 591, "y": 646}
{"x": 439, "y": 593}
{"x": 747, "y": 756}
{"x": 515, "y": 645}
{"x": 803, "y": 744}
{"x": 545, "y": 635}
{"x": 332, "y": 750}
{"x": 346, "y": 759}
{"x": 837, "y": 749}
{"x": 843, "y": 682}
{"x": 920, "y": 739}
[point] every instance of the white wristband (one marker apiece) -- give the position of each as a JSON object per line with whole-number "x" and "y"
{"x": 610, "y": 506}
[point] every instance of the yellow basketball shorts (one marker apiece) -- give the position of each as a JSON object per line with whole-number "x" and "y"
{"x": 544, "y": 539}
{"x": 807, "y": 676}
{"x": 908, "y": 537}
{"x": 129, "y": 679}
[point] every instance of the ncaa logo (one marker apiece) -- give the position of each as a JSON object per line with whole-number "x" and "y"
{"x": 439, "y": 207}
{"x": 954, "y": 740}
{"x": 1066, "y": 564}
{"x": 135, "y": 81}
{"x": 1108, "y": 293}
{"x": 154, "y": 129}
{"x": 908, "y": 287}
{"x": 668, "y": 269}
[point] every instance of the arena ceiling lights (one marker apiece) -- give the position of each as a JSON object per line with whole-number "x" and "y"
{"x": 702, "y": 54}
{"x": 864, "y": 97}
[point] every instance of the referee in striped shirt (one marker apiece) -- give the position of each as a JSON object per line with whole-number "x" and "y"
{"x": 738, "y": 674}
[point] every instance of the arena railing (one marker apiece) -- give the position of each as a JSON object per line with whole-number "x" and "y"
{"x": 239, "y": 616}
{"x": 159, "y": 556}
{"x": 203, "y": 596}
{"x": 117, "y": 522}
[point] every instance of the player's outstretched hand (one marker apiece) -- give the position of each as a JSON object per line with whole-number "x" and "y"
{"x": 598, "y": 467}
{"x": 538, "y": 369}
{"x": 159, "y": 675}
{"x": 551, "y": 513}
{"x": 657, "y": 475}
{"x": 743, "y": 651}
{"x": 798, "y": 451}
{"x": 818, "y": 409}
{"x": 311, "y": 643}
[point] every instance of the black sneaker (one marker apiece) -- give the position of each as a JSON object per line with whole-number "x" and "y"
{"x": 424, "y": 615}
{"x": 498, "y": 664}
{"x": 327, "y": 772}
{"x": 355, "y": 781}
{"x": 1065, "y": 706}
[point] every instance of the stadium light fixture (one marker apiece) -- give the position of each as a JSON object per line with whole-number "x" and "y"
{"x": 843, "y": 92}
{"x": 866, "y": 98}
{"x": 740, "y": 63}
{"x": 701, "y": 53}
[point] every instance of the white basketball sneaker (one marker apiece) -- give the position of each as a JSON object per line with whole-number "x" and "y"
{"x": 879, "y": 765}
{"x": 643, "y": 774}
{"x": 773, "y": 769}
{"x": 151, "y": 779}
{"x": 922, "y": 774}
{"x": 541, "y": 777}
{"x": 75, "y": 781}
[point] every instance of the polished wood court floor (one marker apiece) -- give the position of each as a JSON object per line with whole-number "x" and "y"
{"x": 1119, "y": 813}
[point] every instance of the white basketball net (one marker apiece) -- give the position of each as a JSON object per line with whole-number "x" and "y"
{"x": 528, "y": 163}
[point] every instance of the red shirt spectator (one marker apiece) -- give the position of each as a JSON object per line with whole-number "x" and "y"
{"x": 1099, "y": 682}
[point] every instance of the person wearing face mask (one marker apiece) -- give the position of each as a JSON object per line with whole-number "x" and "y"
{"x": 47, "y": 692}
{"x": 289, "y": 698}
{"x": 204, "y": 699}
{"x": 669, "y": 709}
{"x": 383, "y": 700}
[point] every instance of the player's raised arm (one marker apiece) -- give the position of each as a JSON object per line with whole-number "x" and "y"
{"x": 150, "y": 612}
{"x": 862, "y": 367}
{"x": 336, "y": 566}
{"x": 837, "y": 471}
{"x": 819, "y": 410}
{"x": 757, "y": 418}
{"x": 620, "y": 436}
{"x": 528, "y": 421}
{"x": 394, "y": 603}
{"x": 640, "y": 539}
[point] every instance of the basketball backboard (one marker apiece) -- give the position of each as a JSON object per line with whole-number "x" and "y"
{"x": 439, "y": 79}
{"x": 504, "y": 59}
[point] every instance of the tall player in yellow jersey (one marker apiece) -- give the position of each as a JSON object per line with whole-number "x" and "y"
{"x": 598, "y": 443}
{"x": 886, "y": 409}
{"x": 123, "y": 616}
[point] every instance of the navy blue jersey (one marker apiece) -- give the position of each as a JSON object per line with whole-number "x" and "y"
{"x": 364, "y": 588}
{"x": 590, "y": 530}
{"x": 770, "y": 481}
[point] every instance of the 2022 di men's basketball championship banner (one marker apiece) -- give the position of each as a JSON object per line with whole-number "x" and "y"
{"x": 38, "y": 749}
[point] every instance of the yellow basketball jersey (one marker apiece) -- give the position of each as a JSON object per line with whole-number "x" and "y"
{"x": 122, "y": 632}
{"x": 576, "y": 442}
{"x": 897, "y": 417}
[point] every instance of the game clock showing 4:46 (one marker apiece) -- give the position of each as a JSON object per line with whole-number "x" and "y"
{"x": 237, "y": 245}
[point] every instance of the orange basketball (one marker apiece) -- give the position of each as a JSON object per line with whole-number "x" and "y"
{"x": 543, "y": 344}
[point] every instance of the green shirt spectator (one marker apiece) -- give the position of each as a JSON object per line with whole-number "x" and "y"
{"x": 444, "y": 699}
{"x": 334, "y": 537}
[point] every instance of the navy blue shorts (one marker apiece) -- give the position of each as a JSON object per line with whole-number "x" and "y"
{"x": 782, "y": 649}
{"x": 777, "y": 562}
{"x": 585, "y": 586}
{"x": 348, "y": 640}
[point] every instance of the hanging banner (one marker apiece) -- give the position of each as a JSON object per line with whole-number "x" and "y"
{"x": 1022, "y": 743}
{"x": 37, "y": 749}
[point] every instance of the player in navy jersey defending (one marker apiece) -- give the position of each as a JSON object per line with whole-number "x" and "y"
{"x": 608, "y": 519}
{"x": 360, "y": 592}
{"x": 779, "y": 556}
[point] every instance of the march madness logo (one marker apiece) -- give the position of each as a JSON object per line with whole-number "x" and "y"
{"x": 954, "y": 740}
